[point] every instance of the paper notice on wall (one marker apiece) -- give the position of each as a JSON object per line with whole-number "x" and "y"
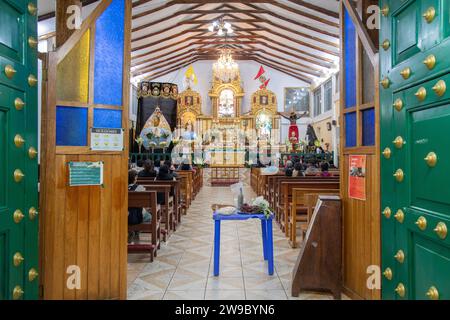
{"x": 106, "y": 139}
{"x": 85, "y": 174}
{"x": 357, "y": 177}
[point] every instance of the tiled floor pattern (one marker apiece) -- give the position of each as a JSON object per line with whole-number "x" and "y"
{"x": 183, "y": 268}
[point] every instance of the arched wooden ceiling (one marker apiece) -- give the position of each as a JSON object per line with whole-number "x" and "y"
{"x": 296, "y": 37}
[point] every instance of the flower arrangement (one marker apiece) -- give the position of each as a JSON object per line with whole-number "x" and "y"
{"x": 140, "y": 142}
{"x": 263, "y": 205}
{"x": 258, "y": 206}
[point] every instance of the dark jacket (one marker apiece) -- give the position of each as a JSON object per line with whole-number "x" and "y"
{"x": 163, "y": 177}
{"x": 147, "y": 174}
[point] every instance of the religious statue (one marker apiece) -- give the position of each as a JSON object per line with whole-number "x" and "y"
{"x": 293, "y": 134}
{"x": 189, "y": 134}
{"x": 156, "y": 131}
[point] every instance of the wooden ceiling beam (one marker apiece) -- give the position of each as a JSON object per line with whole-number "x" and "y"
{"x": 221, "y": 1}
{"x": 316, "y": 8}
{"x": 170, "y": 63}
{"x": 146, "y": 46}
{"x": 306, "y": 14}
{"x": 306, "y": 68}
{"x": 151, "y": 24}
{"x": 221, "y": 11}
{"x": 152, "y": 11}
{"x": 307, "y": 26}
{"x": 285, "y": 28}
{"x": 164, "y": 62}
{"x": 165, "y": 72}
{"x": 209, "y": 21}
{"x": 292, "y": 74}
{"x": 163, "y": 55}
{"x": 277, "y": 62}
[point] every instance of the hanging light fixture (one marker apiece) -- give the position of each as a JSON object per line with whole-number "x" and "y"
{"x": 226, "y": 69}
{"x": 222, "y": 27}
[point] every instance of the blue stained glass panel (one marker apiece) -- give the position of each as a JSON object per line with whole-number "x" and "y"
{"x": 368, "y": 129}
{"x": 109, "y": 56}
{"x": 350, "y": 130}
{"x": 350, "y": 61}
{"x": 107, "y": 118}
{"x": 71, "y": 126}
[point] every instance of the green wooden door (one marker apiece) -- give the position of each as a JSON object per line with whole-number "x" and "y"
{"x": 415, "y": 165}
{"x": 18, "y": 144}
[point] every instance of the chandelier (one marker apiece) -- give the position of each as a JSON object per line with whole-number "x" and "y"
{"x": 223, "y": 28}
{"x": 226, "y": 69}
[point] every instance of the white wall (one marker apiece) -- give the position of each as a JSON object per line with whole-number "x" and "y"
{"x": 248, "y": 69}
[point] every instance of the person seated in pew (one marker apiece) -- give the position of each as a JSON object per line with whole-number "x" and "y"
{"x": 311, "y": 170}
{"x": 185, "y": 166}
{"x": 325, "y": 167}
{"x": 164, "y": 175}
{"x": 139, "y": 165}
{"x": 289, "y": 170}
{"x": 136, "y": 215}
{"x": 298, "y": 170}
{"x": 171, "y": 168}
{"x": 149, "y": 170}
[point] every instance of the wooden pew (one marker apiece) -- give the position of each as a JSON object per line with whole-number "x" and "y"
{"x": 274, "y": 187}
{"x": 146, "y": 199}
{"x": 167, "y": 213}
{"x": 187, "y": 186}
{"x": 286, "y": 196}
{"x": 299, "y": 209}
{"x": 176, "y": 190}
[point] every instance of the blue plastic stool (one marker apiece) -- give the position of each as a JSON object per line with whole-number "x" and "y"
{"x": 267, "y": 237}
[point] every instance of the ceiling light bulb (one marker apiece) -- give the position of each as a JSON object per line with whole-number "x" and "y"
{"x": 215, "y": 23}
{"x": 227, "y": 25}
{"x": 230, "y": 31}
{"x": 211, "y": 28}
{"x": 220, "y": 32}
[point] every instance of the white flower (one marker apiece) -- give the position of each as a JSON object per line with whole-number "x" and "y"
{"x": 261, "y": 202}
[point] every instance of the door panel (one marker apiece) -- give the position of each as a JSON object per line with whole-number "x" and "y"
{"x": 406, "y": 30}
{"x": 430, "y": 189}
{"x": 12, "y": 26}
{"x": 415, "y": 116}
{"x": 18, "y": 165}
{"x": 432, "y": 264}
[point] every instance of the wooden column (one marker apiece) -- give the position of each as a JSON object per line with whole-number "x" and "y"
{"x": 62, "y": 31}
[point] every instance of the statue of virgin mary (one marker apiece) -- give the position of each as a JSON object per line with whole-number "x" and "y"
{"x": 156, "y": 132}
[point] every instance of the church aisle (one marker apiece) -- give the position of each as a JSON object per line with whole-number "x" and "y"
{"x": 183, "y": 268}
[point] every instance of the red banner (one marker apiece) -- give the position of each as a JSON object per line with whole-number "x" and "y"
{"x": 357, "y": 177}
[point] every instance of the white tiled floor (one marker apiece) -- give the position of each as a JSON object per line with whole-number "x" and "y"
{"x": 183, "y": 268}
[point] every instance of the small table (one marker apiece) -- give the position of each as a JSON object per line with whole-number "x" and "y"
{"x": 266, "y": 230}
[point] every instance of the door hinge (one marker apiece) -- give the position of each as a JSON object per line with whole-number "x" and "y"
{"x": 45, "y": 74}
{"x": 41, "y": 291}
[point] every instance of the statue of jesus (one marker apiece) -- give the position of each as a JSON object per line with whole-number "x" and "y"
{"x": 293, "y": 128}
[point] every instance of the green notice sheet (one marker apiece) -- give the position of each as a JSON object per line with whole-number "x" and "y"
{"x": 85, "y": 174}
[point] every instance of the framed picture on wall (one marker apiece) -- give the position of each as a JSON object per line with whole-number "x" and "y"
{"x": 297, "y": 98}
{"x": 188, "y": 100}
{"x": 264, "y": 100}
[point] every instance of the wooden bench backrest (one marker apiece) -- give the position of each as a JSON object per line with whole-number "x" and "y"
{"x": 299, "y": 194}
{"x": 142, "y": 199}
{"x": 287, "y": 187}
